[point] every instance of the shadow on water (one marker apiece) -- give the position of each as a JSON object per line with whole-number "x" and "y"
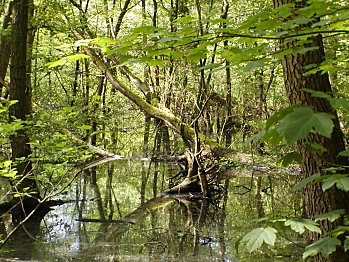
{"x": 118, "y": 215}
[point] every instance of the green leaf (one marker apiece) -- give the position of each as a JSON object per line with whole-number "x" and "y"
{"x": 306, "y": 49}
{"x": 346, "y": 220}
{"x": 344, "y": 153}
{"x": 103, "y": 41}
{"x": 338, "y": 103}
{"x": 331, "y": 216}
{"x": 299, "y": 123}
{"x": 306, "y": 181}
{"x": 185, "y": 19}
{"x": 276, "y": 117}
{"x": 256, "y": 237}
{"x": 73, "y": 58}
{"x": 252, "y": 65}
{"x": 341, "y": 181}
{"x": 169, "y": 39}
{"x": 63, "y": 61}
{"x": 316, "y": 93}
{"x": 346, "y": 243}
{"x": 85, "y": 127}
{"x": 284, "y": 10}
{"x": 84, "y": 42}
{"x": 339, "y": 231}
{"x": 273, "y": 137}
{"x": 56, "y": 63}
{"x": 256, "y": 137}
{"x": 196, "y": 54}
{"x": 325, "y": 246}
{"x": 289, "y": 158}
{"x": 319, "y": 149}
{"x": 300, "y": 224}
{"x": 323, "y": 124}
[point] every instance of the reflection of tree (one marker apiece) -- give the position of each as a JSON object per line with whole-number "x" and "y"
{"x": 168, "y": 225}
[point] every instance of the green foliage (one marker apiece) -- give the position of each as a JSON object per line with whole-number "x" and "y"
{"x": 300, "y": 224}
{"x": 256, "y": 237}
{"x": 306, "y": 181}
{"x": 325, "y": 246}
{"x": 290, "y": 158}
{"x": 63, "y": 61}
{"x": 330, "y": 216}
{"x": 301, "y": 121}
{"x": 6, "y": 170}
{"x": 340, "y": 180}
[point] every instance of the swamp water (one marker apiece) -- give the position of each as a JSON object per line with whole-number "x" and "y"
{"x": 159, "y": 228}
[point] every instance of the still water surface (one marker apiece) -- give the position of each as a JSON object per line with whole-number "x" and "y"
{"x": 160, "y": 228}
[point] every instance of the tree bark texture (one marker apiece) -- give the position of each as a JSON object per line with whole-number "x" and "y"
{"x": 20, "y": 91}
{"x": 316, "y": 200}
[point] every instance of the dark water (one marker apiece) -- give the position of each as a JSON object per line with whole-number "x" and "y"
{"x": 162, "y": 228}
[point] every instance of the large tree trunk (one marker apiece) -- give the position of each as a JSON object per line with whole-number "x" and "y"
{"x": 21, "y": 91}
{"x": 316, "y": 200}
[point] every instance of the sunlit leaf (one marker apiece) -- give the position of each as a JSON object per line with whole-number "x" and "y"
{"x": 339, "y": 231}
{"x": 85, "y": 127}
{"x": 256, "y": 237}
{"x": 325, "y": 246}
{"x": 300, "y": 224}
{"x": 84, "y": 42}
{"x": 185, "y": 19}
{"x": 103, "y": 41}
{"x": 331, "y": 216}
{"x": 73, "y": 58}
{"x": 56, "y": 63}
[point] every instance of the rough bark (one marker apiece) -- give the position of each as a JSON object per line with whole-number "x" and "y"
{"x": 20, "y": 90}
{"x": 316, "y": 200}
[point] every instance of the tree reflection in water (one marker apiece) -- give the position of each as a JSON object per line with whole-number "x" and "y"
{"x": 161, "y": 228}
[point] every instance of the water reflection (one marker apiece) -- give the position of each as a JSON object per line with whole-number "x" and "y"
{"x": 157, "y": 228}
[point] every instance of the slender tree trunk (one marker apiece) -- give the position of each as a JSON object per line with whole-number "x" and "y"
{"x": 316, "y": 200}
{"x": 5, "y": 46}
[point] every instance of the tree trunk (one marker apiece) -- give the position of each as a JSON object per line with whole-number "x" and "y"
{"x": 21, "y": 91}
{"x": 5, "y": 46}
{"x": 316, "y": 200}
